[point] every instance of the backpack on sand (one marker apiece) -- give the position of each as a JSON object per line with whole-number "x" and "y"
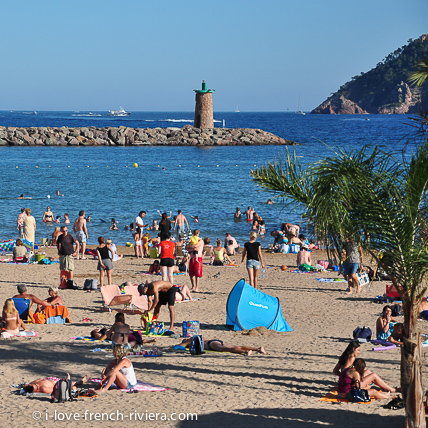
{"x": 62, "y": 391}
{"x": 90, "y": 285}
{"x": 196, "y": 346}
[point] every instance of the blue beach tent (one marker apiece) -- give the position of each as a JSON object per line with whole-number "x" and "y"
{"x": 248, "y": 308}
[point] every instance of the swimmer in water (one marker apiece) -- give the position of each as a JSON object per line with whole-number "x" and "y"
{"x": 196, "y": 218}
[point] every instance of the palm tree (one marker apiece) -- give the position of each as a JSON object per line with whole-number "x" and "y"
{"x": 386, "y": 197}
{"x": 420, "y": 75}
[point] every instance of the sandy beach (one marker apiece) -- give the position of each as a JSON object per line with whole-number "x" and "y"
{"x": 281, "y": 388}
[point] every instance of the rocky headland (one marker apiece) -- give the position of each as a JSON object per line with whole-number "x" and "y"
{"x": 383, "y": 89}
{"x": 124, "y": 136}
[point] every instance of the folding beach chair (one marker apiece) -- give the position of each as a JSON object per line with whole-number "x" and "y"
{"x": 112, "y": 296}
{"x": 23, "y": 308}
{"x": 138, "y": 301}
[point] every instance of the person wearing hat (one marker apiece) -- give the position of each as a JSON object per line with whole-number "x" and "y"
{"x": 304, "y": 256}
{"x": 163, "y": 293}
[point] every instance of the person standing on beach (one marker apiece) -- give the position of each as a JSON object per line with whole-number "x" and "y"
{"x": 21, "y": 221}
{"x": 195, "y": 263}
{"x": 29, "y": 227}
{"x": 65, "y": 244}
{"x": 181, "y": 221}
{"x": 163, "y": 293}
{"x": 352, "y": 256}
{"x": 81, "y": 232}
{"x": 249, "y": 213}
{"x": 139, "y": 221}
{"x": 253, "y": 252}
{"x": 164, "y": 227}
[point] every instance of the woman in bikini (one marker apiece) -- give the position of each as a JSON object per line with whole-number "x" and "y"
{"x": 104, "y": 261}
{"x": 220, "y": 255}
{"x": 348, "y": 359}
{"x": 120, "y": 371}
{"x": 218, "y": 346}
{"x": 48, "y": 215}
{"x": 383, "y": 323}
{"x": 353, "y": 377}
{"x": 11, "y": 322}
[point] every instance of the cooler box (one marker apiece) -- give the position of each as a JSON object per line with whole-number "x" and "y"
{"x": 154, "y": 253}
{"x": 391, "y": 291}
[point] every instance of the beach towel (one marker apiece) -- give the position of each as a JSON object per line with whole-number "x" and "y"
{"x": 333, "y": 397}
{"x": 330, "y": 280}
{"x": 148, "y": 353}
{"x": 140, "y": 386}
{"x": 27, "y": 333}
{"x": 88, "y": 339}
{"x": 298, "y": 271}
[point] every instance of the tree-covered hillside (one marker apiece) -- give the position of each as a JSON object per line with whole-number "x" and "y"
{"x": 383, "y": 89}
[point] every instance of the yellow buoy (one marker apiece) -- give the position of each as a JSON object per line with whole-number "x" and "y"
{"x": 135, "y": 165}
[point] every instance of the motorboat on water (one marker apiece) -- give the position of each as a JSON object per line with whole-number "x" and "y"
{"x": 120, "y": 112}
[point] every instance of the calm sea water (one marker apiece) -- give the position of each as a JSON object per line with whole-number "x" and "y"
{"x": 208, "y": 182}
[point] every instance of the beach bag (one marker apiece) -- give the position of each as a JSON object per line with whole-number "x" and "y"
{"x": 363, "y": 278}
{"x": 71, "y": 285}
{"x": 294, "y": 248}
{"x": 396, "y": 310}
{"x": 90, "y": 285}
{"x": 190, "y": 328}
{"x": 62, "y": 391}
{"x": 155, "y": 328}
{"x": 323, "y": 263}
{"x": 358, "y": 395}
{"x": 304, "y": 267}
{"x": 362, "y": 334}
{"x": 196, "y": 346}
{"x": 284, "y": 249}
{"x": 39, "y": 318}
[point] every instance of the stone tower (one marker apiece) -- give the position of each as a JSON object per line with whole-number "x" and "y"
{"x": 204, "y": 107}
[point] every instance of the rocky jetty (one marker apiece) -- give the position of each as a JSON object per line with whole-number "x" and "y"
{"x": 123, "y": 136}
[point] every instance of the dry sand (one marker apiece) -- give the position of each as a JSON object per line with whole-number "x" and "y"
{"x": 281, "y": 388}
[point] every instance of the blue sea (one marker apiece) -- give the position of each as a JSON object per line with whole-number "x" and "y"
{"x": 209, "y": 182}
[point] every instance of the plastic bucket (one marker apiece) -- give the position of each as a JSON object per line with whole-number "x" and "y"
{"x": 39, "y": 257}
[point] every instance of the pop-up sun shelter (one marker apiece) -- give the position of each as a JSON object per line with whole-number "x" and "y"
{"x": 248, "y": 308}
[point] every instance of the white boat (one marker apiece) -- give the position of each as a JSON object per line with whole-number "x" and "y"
{"x": 298, "y": 108}
{"x": 237, "y": 110}
{"x": 120, "y": 112}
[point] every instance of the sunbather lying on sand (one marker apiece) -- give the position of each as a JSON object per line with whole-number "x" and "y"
{"x": 219, "y": 346}
{"x": 45, "y": 385}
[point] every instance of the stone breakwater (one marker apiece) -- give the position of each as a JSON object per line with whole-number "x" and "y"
{"x": 123, "y": 136}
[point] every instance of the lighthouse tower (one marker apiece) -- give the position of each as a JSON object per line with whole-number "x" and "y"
{"x": 204, "y": 107}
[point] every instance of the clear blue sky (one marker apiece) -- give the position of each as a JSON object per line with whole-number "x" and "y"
{"x": 149, "y": 55}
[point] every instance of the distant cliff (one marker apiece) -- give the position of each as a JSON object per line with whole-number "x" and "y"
{"x": 384, "y": 89}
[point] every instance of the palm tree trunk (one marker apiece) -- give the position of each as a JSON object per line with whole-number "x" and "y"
{"x": 411, "y": 368}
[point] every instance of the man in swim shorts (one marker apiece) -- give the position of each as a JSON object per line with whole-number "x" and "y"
{"x": 180, "y": 222}
{"x": 81, "y": 232}
{"x": 249, "y": 213}
{"x": 195, "y": 263}
{"x": 46, "y": 385}
{"x": 163, "y": 293}
{"x": 218, "y": 346}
